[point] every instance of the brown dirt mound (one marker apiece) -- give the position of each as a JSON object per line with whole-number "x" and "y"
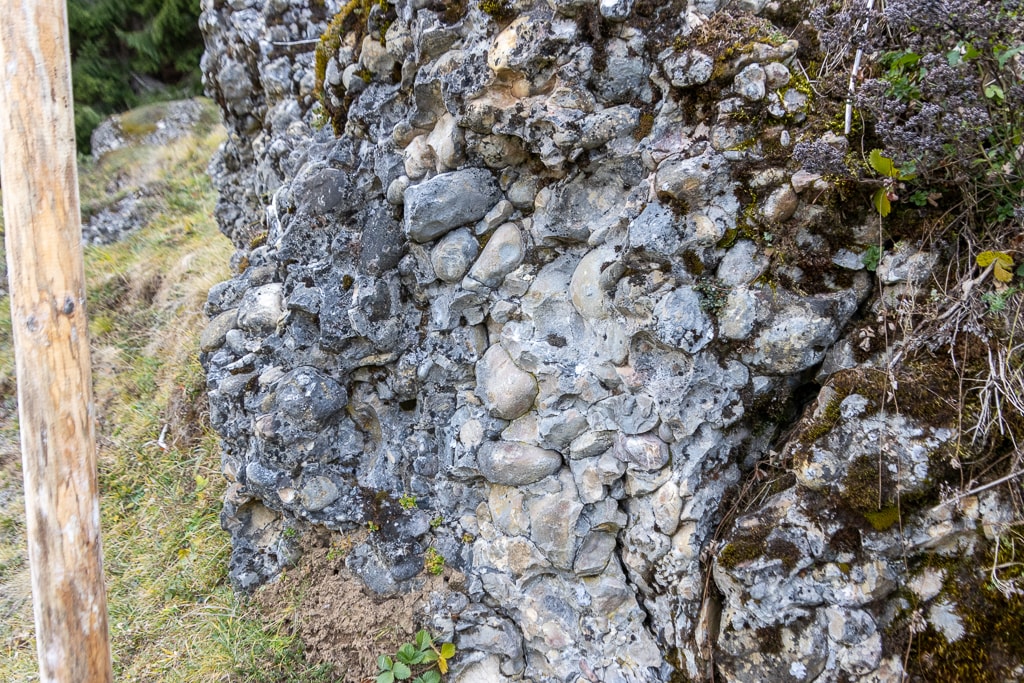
{"x": 339, "y": 619}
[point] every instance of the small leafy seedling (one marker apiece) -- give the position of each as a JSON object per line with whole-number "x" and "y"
{"x": 433, "y": 561}
{"x": 885, "y": 195}
{"x": 407, "y": 502}
{"x": 421, "y": 655}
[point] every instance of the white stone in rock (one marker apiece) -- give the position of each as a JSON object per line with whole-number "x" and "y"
{"x": 585, "y": 287}
{"x": 667, "y": 505}
{"x": 446, "y": 142}
{"x": 500, "y": 256}
{"x": 737, "y": 318}
{"x": 801, "y": 180}
{"x": 420, "y": 158}
{"x": 706, "y": 231}
{"x": 777, "y": 75}
{"x": 516, "y": 464}
{"x": 261, "y": 308}
{"x": 487, "y": 670}
{"x": 396, "y": 190}
{"x": 454, "y": 254}
{"x": 351, "y": 80}
{"x": 375, "y": 58}
{"x": 780, "y": 205}
{"x": 750, "y": 83}
{"x": 616, "y": 10}
{"x": 505, "y": 389}
{"x": 742, "y": 264}
{"x": 645, "y": 452}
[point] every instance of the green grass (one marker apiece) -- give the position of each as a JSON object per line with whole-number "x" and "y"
{"x": 173, "y": 616}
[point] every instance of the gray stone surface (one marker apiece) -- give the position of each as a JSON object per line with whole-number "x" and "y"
{"x": 507, "y": 390}
{"x": 448, "y": 201}
{"x": 516, "y": 464}
{"x": 631, "y": 298}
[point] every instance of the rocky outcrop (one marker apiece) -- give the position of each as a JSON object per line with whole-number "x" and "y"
{"x": 547, "y": 268}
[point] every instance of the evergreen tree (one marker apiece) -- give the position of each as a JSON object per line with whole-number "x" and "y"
{"x": 120, "y": 46}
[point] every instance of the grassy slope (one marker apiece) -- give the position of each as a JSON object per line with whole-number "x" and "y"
{"x": 172, "y": 615}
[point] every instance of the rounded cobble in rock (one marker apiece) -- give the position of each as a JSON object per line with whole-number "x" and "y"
{"x": 742, "y": 264}
{"x": 454, "y": 254}
{"x": 213, "y": 335}
{"x": 516, "y": 464}
{"x": 500, "y": 256}
{"x": 261, "y": 308}
{"x": 506, "y": 390}
{"x": 780, "y": 205}
{"x": 682, "y": 322}
{"x": 750, "y": 83}
{"x": 317, "y": 493}
{"x": 448, "y": 201}
{"x": 777, "y": 75}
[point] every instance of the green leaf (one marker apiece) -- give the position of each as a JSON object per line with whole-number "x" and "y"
{"x": 994, "y": 92}
{"x": 882, "y": 164}
{"x": 1004, "y": 57}
{"x": 406, "y": 653}
{"x": 386, "y": 677}
{"x": 881, "y": 202}
{"x": 448, "y": 650}
{"x": 1020, "y": 270}
{"x": 429, "y": 657}
{"x": 431, "y": 677}
{"x": 384, "y": 663}
{"x": 870, "y": 258}
{"x": 423, "y": 640}
{"x": 402, "y": 671}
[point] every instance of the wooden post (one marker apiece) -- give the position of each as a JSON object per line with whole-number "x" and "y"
{"x": 51, "y": 342}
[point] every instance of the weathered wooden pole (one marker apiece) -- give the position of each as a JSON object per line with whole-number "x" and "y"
{"x": 51, "y": 343}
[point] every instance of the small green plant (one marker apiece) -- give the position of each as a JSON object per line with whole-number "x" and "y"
{"x": 871, "y": 257}
{"x": 884, "y": 196}
{"x": 421, "y": 655}
{"x": 436, "y": 522}
{"x": 372, "y": 526}
{"x": 407, "y": 502}
{"x": 433, "y": 561}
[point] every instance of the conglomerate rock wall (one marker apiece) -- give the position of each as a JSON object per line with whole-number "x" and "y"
{"x": 548, "y": 268}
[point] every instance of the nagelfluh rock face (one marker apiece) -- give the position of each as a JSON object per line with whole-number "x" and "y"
{"x": 549, "y": 268}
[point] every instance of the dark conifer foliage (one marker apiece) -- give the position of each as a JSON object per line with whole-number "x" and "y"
{"x": 128, "y": 52}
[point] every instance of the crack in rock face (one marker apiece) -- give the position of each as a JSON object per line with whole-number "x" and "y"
{"x": 543, "y": 279}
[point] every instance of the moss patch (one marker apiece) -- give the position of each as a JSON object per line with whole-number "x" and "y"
{"x": 991, "y": 647}
{"x": 748, "y": 545}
